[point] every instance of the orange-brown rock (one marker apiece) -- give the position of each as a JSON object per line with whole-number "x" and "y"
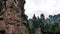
{"x": 12, "y": 17}
{"x": 38, "y": 31}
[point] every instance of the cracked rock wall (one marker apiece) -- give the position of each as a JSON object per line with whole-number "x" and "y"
{"x": 12, "y": 17}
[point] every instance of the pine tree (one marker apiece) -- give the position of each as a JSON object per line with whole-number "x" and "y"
{"x": 43, "y": 23}
{"x": 34, "y": 20}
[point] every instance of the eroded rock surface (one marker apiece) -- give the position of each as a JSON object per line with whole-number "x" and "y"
{"x": 12, "y": 17}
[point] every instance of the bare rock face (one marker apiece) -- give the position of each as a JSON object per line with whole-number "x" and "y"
{"x": 38, "y": 30}
{"x": 12, "y": 17}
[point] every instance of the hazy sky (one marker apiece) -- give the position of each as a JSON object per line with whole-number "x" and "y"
{"x": 47, "y": 7}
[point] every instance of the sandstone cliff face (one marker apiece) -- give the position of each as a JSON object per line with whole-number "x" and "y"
{"x": 12, "y": 17}
{"x": 38, "y": 30}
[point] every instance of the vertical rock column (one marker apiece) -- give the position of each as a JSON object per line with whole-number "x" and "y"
{"x": 14, "y": 17}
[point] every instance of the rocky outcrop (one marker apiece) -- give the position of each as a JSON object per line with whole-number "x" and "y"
{"x": 12, "y": 17}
